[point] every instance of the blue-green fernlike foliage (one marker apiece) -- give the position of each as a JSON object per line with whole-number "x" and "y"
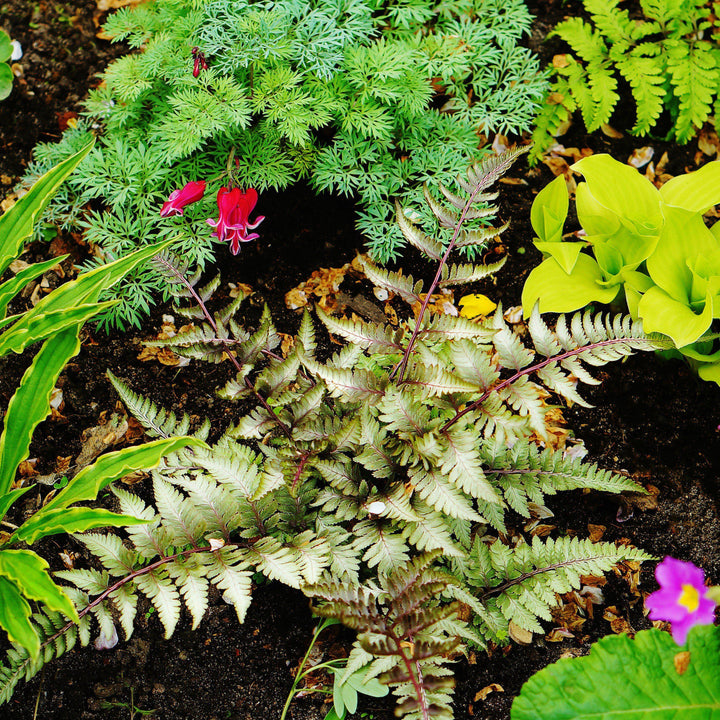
{"x": 367, "y": 98}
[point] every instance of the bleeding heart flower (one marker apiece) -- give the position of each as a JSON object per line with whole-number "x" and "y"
{"x": 178, "y": 199}
{"x": 233, "y": 223}
{"x": 682, "y": 598}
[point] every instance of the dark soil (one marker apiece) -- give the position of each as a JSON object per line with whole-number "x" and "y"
{"x": 652, "y": 419}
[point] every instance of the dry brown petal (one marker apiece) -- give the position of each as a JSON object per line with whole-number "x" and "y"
{"x": 641, "y": 156}
{"x": 27, "y": 468}
{"x": 287, "y": 343}
{"x": 542, "y": 530}
{"x": 708, "y": 142}
{"x": 17, "y": 265}
{"x": 520, "y": 635}
{"x": 610, "y": 131}
{"x": 493, "y": 687}
{"x": 134, "y": 477}
{"x": 105, "y": 5}
{"x": 681, "y": 661}
{"x": 295, "y": 299}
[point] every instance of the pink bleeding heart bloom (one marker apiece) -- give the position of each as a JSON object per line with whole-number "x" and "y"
{"x": 178, "y": 199}
{"x": 682, "y": 598}
{"x": 233, "y": 223}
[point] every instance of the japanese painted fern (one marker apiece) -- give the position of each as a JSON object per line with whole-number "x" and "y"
{"x": 381, "y": 480}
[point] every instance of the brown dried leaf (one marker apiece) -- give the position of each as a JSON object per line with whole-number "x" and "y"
{"x": 520, "y": 635}
{"x": 27, "y": 468}
{"x": 560, "y": 61}
{"x": 595, "y": 532}
{"x": 708, "y": 141}
{"x": 641, "y": 156}
{"x": 295, "y": 299}
{"x": 287, "y": 343}
{"x": 482, "y": 694}
{"x": 681, "y": 661}
{"x": 97, "y": 439}
{"x": 610, "y": 131}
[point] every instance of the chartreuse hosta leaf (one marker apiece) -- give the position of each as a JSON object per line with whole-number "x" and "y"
{"x": 653, "y": 244}
{"x": 647, "y": 677}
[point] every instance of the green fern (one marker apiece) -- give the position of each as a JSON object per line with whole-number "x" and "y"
{"x": 662, "y": 57}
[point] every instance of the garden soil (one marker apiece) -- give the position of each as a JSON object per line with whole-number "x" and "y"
{"x": 653, "y": 420}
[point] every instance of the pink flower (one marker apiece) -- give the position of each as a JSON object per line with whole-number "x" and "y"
{"x": 233, "y": 223}
{"x": 178, "y": 199}
{"x": 682, "y": 598}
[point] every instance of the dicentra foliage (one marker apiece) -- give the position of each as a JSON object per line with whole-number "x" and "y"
{"x": 377, "y": 480}
{"x": 368, "y": 98}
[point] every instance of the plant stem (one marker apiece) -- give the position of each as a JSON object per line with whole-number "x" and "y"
{"x": 225, "y": 343}
{"x": 300, "y": 674}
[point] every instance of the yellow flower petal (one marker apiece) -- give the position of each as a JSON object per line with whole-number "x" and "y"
{"x": 473, "y": 305}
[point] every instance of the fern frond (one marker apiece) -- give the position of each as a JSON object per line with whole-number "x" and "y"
{"x": 395, "y": 282}
{"x": 156, "y": 421}
{"x": 369, "y": 336}
{"x": 416, "y": 237}
{"x": 532, "y": 473}
{"x": 467, "y": 273}
{"x": 647, "y": 79}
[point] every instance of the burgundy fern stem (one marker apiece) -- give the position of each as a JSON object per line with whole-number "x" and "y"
{"x": 128, "y": 578}
{"x": 225, "y": 343}
{"x": 399, "y": 370}
{"x": 415, "y": 675}
{"x": 526, "y": 371}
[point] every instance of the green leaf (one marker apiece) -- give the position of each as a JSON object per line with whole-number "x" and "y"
{"x": 31, "y": 327}
{"x": 8, "y": 499}
{"x": 15, "y": 284}
{"x": 621, "y": 189}
{"x": 5, "y": 47}
{"x": 85, "y": 289}
{"x": 547, "y": 215}
{"x": 30, "y": 573}
{"x": 112, "y": 466}
{"x": 664, "y": 314}
{"x": 632, "y": 679}
{"x": 15, "y": 617}
{"x": 70, "y": 520}
{"x": 6, "y": 80}
{"x": 31, "y": 402}
{"x": 556, "y": 291}
{"x": 16, "y": 225}
{"x": 696, "y": 191}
